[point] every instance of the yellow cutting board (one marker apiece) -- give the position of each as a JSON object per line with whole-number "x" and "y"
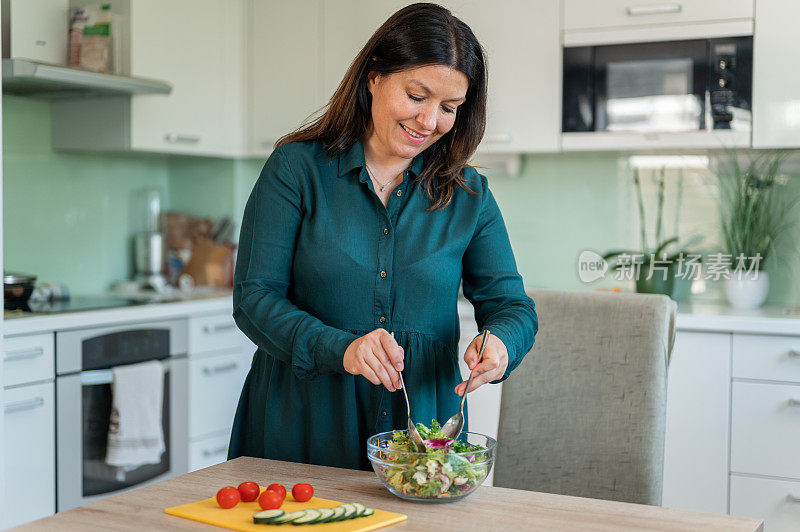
{"x": 240, "y": 517}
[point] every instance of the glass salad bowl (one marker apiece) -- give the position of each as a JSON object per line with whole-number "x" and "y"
{"x": 439, "y": 475}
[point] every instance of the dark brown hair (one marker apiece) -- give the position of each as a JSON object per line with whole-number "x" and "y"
{"x": 418, "y": 35}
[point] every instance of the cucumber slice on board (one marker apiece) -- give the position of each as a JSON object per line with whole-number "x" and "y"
{"x": 338, "y": 513}
{"x": 309, "y": 517}
{"x": 360, "y": 508}
{"x": 325, "y": 515}
{"x": 287, "y": 518}
{"x": 349, "y": 511}
{"x": 368, "y": 512}
{"x": 267, "y": 516}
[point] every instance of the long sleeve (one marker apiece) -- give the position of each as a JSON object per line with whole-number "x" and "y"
{"x": 494, "y": 287}
{"x": 262, "y": 310}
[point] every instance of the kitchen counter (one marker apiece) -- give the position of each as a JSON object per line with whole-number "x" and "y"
{"x": 719, "y": 317}
{"x": 489, "y": 508}
{"x": 205, "y": 303}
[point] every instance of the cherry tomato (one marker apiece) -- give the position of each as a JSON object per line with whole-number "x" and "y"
{"x": 277, "y": 488}
{"x": 270, "y": 500}
{"x": 249, "y": 491}
{"x": 302, "y": 492}
{"x": 228, "y": 497}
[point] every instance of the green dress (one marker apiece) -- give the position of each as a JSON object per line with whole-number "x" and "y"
{"x": 321, "y": 262}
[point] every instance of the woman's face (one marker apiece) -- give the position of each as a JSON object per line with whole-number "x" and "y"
{"x": 412, "y": 109}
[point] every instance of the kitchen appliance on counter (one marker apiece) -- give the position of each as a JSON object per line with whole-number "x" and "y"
{"x": 680, "y": 93}
{"x": 148, "y": 242}
{"x": 84, "y": 399}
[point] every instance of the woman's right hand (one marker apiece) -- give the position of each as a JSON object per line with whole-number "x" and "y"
{"x": 377, "y": 357}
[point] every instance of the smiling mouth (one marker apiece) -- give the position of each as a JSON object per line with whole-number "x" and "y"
{"x": 412, "y": 132}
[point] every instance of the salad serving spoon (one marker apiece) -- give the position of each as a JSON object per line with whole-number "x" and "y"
{"x": 452, "y": 429}
{"x": 413, "y": 433}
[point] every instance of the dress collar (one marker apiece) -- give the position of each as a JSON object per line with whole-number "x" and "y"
{"x": 354, "y": 158}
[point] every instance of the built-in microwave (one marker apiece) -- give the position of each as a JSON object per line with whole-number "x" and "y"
{"x": 686, "y": 92}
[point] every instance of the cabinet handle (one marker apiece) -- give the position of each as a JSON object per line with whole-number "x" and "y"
{"x": 502, "y": 138}
{"x": 793, "y": 401}
{"x": 791, "y": 497}
{"x": 794, "y": 353}
{"x": 26, "y": 353}
{"x": 183, "y": 139}
{"x": 662, "y": 9}
{"x": 211, "y": 329}
{"x": 220, "y": 369}
{"x": 214, "y": 452}
{"x": 30, "y": 404}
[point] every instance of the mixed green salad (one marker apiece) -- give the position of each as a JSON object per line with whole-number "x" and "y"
{"x": 443, "y": 471}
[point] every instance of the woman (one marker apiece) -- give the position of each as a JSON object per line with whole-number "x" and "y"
{"x": 360, "y": 225}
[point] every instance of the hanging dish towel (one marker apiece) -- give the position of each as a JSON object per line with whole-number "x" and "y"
{"x": 135, "y": 434}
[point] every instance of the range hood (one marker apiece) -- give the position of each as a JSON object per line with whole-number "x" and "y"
{"x": 26, "y": 77}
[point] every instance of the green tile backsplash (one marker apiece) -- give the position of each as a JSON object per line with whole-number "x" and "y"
{"x": 68, "y": 217}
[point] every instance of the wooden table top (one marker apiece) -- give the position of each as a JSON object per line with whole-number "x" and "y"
{"x": 488, "y": 508}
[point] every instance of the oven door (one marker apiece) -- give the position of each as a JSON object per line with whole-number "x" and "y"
{"x": 83, "y": 408}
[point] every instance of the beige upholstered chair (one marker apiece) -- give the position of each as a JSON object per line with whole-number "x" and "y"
{"x": 584, "y": 413}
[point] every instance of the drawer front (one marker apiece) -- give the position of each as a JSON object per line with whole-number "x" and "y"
{"x": 758, "y": 356}
{"x": 213, "y": 333}
{"x": 215, "y": 383}
{"x": 585, "y": 14}
{"x": 775, "y": 501}
{"x": 28, "y": 359}
{"x": 208, "y": 451}
{"x": 765, "y": 429}
{"x": 29, "y": 450}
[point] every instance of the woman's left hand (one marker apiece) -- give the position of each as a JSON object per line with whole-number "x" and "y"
{"x": 493, "y": 365}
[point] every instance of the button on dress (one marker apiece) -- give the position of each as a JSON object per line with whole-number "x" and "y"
{"x": 321, "y": 262}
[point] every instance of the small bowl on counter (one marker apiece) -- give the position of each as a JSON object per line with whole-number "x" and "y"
{"x": 438, "y": 475}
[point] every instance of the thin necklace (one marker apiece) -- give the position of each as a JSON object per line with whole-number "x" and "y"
{"x": 383, "y": 185}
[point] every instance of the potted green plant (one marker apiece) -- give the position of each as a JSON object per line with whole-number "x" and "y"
{"x": 657, "y": 268}
{"x": 754, "y": 208}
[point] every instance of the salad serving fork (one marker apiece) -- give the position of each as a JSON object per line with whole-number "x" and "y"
{"x": 413, "y": 434}
{"x": 452, "y": 429}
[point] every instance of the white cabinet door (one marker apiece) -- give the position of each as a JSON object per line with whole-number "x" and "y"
{"x": 208, "y": 452}
{"x": 775, "y": 501}
{"x": 285, "y": 69}
{"x": 198, "y": 47}
{"x": 28, "y": 359}
{"x": 523, "y": 47}
{"x": 588, "y": 14}
{"x": 696, "y": 444}
{"x": 215, "y": 384}
{"x": 29, "y": 454}
{"x": 765, "y": 429}
{"x": 776, "y": 107}
{"x": 524, "y": 107}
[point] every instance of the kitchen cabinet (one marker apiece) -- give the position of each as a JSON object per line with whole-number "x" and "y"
{"x": 219, "y": 360}
{"x": 198, "y": 47}
{"x": 284, "y": 58}
{"x": 524, "y": 107}
{"x": 37, "y": 30}
{"x": 776, "y": 108}
{"x": 776, "y": 501}
{"x": 28, "y": 444}
{"x": 696, "y": 439}
{"x": 583, "y": 14}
